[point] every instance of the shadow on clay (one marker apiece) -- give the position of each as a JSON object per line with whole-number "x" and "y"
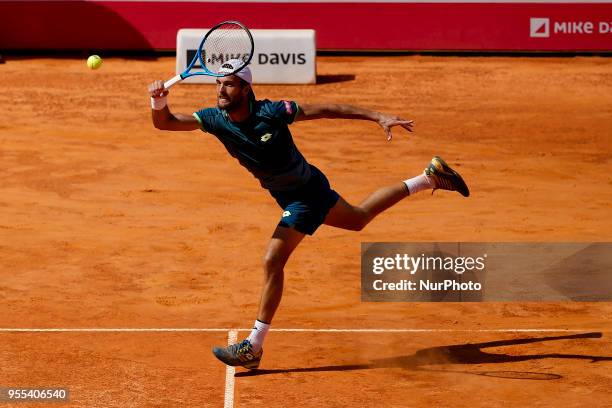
{"x": 470, "y": 353}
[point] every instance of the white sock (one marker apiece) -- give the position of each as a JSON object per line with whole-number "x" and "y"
{"x": 418, "y": 183}
{"x": 258, "y": 335}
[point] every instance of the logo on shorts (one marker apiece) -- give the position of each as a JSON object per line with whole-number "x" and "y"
{"x": 286, "y": 214}
{"x": 266, "y": 137}
{"x": 539, "y": 27}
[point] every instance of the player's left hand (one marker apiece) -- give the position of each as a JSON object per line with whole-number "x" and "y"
{"x": 387, "y": 122}
{"x": 157, "y": 90}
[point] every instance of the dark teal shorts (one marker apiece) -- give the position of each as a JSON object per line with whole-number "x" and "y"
{"x": 305, "y": 209}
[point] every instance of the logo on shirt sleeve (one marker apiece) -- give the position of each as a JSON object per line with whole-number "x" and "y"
{"x": 288, "y": 107}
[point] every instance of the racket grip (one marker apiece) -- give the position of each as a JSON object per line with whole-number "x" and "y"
{"x": 172, "y": 81}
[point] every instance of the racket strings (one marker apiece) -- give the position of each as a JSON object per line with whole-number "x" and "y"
{"x": 226, "y": 42}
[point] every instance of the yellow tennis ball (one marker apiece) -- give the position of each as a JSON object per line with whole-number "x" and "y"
{"x": 94, "y": 62}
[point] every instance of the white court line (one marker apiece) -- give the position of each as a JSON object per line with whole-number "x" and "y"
{"x": 424, "y": 330}
{"x": 115, "y": 329}
{"x": 232, "y": 337}
{"x": 296, "y": 330}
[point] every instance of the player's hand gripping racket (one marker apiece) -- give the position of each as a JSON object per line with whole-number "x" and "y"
{"x": 225, "y": 41}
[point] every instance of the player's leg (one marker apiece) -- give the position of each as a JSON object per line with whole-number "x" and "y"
{"x": 437, "y": 175}
{"x": 248, "y": 352}
{"x": 281, "y": 246}
{"x": 355, "y": 218}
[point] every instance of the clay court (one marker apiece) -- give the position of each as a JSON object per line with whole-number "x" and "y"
{"x": 150, "y": 243}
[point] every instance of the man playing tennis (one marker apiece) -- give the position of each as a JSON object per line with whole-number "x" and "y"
{"x": 256, "y": 133}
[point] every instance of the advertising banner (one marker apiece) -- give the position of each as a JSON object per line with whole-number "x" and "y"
{"x": 422, "y": 25}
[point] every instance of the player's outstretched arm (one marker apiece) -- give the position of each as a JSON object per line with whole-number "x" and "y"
{"x": 160, "y": 113}
{"x": 333, "y": 111}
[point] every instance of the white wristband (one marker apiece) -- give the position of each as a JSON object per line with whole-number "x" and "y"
{"x": 159, "y": 103}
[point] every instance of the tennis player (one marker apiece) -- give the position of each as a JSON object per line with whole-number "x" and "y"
{"x": 256, "y": 133}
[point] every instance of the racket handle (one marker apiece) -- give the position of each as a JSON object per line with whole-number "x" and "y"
{"x": 172, "y": 81}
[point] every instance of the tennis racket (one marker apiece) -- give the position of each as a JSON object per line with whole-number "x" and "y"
{"x": 225, "y": 41}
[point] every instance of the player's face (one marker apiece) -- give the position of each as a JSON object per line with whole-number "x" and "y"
{"x": 231, "y": 93}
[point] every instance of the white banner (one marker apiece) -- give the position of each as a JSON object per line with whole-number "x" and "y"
{"x": 281, "y": 56}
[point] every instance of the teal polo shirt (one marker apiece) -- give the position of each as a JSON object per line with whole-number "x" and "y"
{"x": 262, "y": 143}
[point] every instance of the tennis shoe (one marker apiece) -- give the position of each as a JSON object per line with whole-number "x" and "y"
{"x": 239, "y": 354}
{"x": 445, "y": 178}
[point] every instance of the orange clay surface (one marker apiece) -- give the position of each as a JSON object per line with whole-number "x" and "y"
{"x": 106, "y": 222}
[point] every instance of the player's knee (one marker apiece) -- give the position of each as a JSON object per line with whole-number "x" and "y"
{"x": 361, "y": 219}
{"x": 273, "y": 264}
{"x": 354, "y": 225}
{"x": 359, "y": 225}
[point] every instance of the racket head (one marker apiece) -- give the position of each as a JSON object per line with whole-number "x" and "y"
{"x": 226, "y": 41}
